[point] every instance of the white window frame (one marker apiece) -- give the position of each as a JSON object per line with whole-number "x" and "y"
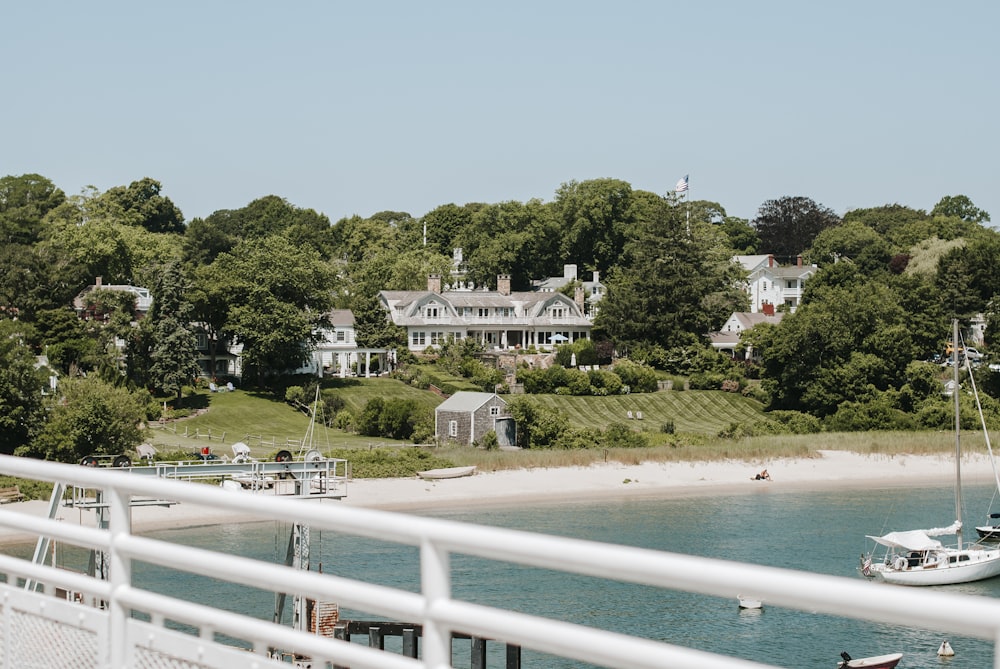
{"x": 453, "y": 428}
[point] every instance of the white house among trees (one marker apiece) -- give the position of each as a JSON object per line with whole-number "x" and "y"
{"x": 499, "y": 319}
{"x": 770, "y": 286}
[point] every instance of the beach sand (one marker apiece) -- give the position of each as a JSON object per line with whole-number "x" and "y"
{"x": 605, "y": 481}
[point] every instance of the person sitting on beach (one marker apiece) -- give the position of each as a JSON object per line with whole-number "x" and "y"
{"x": 763, "y": 476}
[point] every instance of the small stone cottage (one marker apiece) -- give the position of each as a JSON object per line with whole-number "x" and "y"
{"x": 466, "y": 417}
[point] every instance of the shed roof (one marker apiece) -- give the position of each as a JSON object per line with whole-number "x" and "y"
{"x": 467, "y": 401}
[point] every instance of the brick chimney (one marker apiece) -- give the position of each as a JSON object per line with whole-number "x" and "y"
{"x": 770, "y": 260}
{"x": 798, "y": 260}
{"x": 434, "y": 283}
{"x": 578, "y": 298}
{"x": 503, "y": 284}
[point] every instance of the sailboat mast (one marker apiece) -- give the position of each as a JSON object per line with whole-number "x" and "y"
{"x": 958, "y": 440}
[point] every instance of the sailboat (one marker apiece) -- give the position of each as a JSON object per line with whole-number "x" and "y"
{"x": 915, "y": 557}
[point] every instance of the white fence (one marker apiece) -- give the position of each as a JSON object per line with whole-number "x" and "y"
{"x": 39, "y": 629}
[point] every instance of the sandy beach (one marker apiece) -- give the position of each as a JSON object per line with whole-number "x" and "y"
{"x": 831, "y": 469}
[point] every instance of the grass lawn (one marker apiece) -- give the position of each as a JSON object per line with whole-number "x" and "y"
{"x": 267, "y": 425}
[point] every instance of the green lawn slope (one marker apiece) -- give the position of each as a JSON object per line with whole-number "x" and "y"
{"x": 260, "y": 420}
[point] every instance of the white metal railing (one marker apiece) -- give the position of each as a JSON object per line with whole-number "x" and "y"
{"x": 117, "y": 640}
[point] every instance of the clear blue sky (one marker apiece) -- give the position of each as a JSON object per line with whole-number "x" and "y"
{"x": 358, "y": 107}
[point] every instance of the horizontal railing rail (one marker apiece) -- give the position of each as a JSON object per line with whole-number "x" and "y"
{"x": 434, "y": 607}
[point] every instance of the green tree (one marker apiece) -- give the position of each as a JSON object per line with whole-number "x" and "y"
{"x": 278, "y": 294}
{"x": 21, "y": 412}
{"x": 594, "y": 217}
{"x": 25, "y": 200}
{"x": 174, "y": 354}
{"x": 655, "y": 295}
{"x": 90, "y": 417}
{"x": 851, "y": 241}
{"x": 787, "y": 226}
{"x": 960, "y": 206}
{"x": 141, "y": 204}
{"x": 743, "y": 239}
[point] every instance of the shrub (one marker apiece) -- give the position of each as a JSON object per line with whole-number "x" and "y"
{"x": 667, "y": 427}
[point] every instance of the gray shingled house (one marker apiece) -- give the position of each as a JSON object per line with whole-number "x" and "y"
{"x": 466, "y": 417}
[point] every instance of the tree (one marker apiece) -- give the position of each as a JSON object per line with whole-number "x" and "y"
{"x": 788, "y": 225}
{"x": 21, "y": 412}
{"x": 855, "y": 242}
{"x": 960, "y": 206}
{"x": 900, "y": 226}
{"x": 141, "y": 204}
{"x": 24, "y": 202}
{"x": 90, "y": 417}
{"x": 845, "y": 343}
{"x": 742, "y": 237}
{"x": 278, "y": 294}
{"x": 655, "y": 294}
{"x": 594, "y": 217}
{"x": 174, "y": 354}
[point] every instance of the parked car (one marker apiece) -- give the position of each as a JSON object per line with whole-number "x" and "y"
{"x": 973, "y": 354}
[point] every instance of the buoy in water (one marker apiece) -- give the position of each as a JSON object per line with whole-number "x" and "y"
{"x": 945, "y": 650}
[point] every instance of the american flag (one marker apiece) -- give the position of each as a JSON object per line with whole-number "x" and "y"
{"x": 682, "y": 185}
{"x": 866, "y": 567}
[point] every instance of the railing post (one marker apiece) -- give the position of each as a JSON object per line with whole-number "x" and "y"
{"x": 435, "y": 580}
{"x": 410, "y": 642}
{"x": 513, "y": 657}
{"x": 120, "y": 576}
{"x": 478, "y": 653}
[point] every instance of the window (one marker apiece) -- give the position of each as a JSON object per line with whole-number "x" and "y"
{"x": 763, "y": 285}
{"x": 418, "y": 339}
{"x": 437, "y": 338}
{"x": 494, "y": 411}
{"x": 201, "y": 341}
{"x": 506, "y": 312}
{"x": 341, "y": 336}
{"x": 558, "y": 312}
{"x": 466, "y": 311}
{"x": 431, "y": 312}
{"x": 484, "y": 312}
{"x": 453, "y": 428}
{"x": 791, "y": 283}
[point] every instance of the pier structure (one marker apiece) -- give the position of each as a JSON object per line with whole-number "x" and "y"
{"x": 41, "y": 627}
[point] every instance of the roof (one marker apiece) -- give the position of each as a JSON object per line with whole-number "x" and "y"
{"x": 467, "y": 401}
{"x": 340, "y": 317}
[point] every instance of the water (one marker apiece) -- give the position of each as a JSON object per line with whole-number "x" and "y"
{"x": 821, "y": 532}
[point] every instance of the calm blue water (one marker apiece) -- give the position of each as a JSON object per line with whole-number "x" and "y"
{"x": 821, "y": 532}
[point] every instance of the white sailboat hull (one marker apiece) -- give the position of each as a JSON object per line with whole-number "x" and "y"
{"x": 963, "y": 566}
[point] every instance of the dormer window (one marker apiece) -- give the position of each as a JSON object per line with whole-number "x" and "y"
{"x": 431, "y": 311}
{"x": 557, "y": 312}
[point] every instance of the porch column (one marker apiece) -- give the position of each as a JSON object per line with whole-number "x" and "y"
{"x": 368, "y": 364}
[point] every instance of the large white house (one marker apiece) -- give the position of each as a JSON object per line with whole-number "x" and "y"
{"x": 769, "y": 285}
{"x": 499, "y": 319}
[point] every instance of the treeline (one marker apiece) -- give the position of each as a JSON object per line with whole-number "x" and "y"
{"x": 890, "y": 279}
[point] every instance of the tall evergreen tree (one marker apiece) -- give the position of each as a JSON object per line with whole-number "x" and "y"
{"x": 655, "y": 295}
{"x": 175, "y": 353}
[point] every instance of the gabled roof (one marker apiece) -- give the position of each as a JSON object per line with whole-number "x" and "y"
{"x": 749, "y": 319}
{"x": 341, "y": 317}
{"x": 467, "y": 401}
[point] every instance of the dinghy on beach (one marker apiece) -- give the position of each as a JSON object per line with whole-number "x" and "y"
{"x": 447, "y": 473}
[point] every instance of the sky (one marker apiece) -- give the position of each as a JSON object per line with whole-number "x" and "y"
{"x": 359, "y": 107}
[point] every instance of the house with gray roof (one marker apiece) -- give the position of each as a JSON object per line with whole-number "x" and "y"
{"x": 499, "y": 319}
{"x": 466, "y": 417}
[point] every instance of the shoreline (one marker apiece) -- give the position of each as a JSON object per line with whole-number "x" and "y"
{"x": 602, "y": 482}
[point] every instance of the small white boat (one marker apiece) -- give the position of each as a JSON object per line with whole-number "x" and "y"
{"x": 447, "y": 472}
{"x": 749, "y": 602}
{"x": 875, "y": 662}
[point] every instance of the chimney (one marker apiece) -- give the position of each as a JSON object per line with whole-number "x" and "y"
{"x": 597, "y": 276}
{"x": 798, "y": 260}
{"x": 767, "y": 309}
{"x": 97, "y": 281}
{"x": 569, "y": 271}
{"x": 503, "y": 284}
{"x": 434, "y": 283}
{"x": 770, "y": 260}
{"x": 578, "y": 298}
